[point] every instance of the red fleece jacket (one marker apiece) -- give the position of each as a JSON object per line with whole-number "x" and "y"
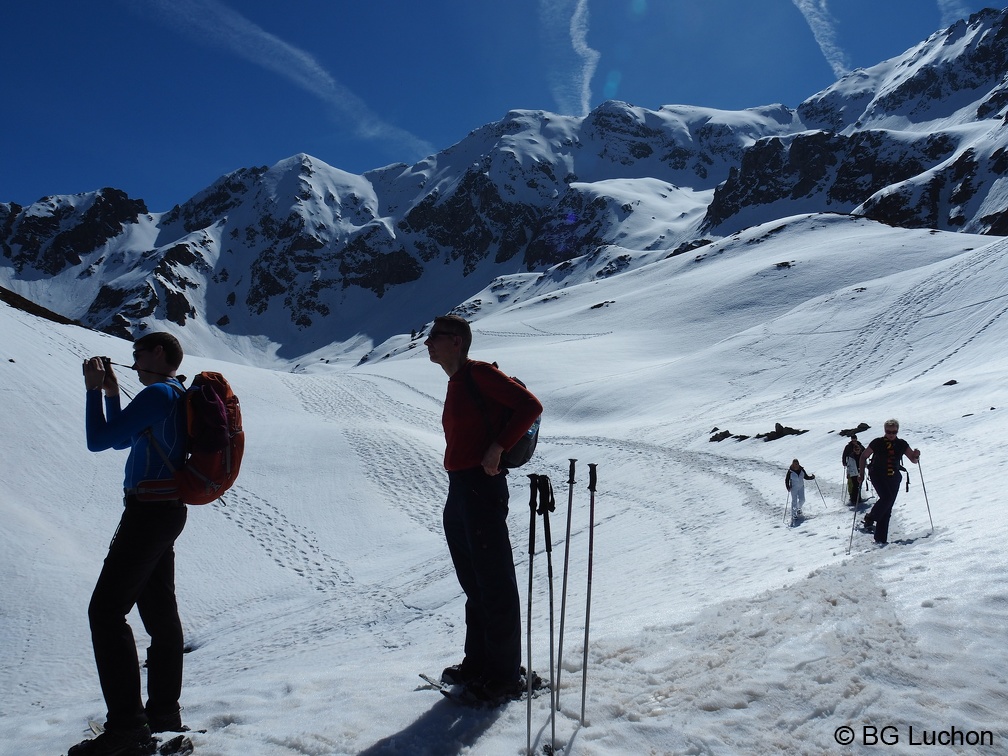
{"x": 512, "y": 409}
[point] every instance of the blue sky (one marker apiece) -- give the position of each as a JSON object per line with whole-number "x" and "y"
{"x": 161, "y": 97}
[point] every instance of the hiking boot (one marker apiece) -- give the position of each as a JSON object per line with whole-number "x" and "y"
{"x": 495, "y": 691}
{"x": 166, "y": 722}
{"x": 136, "y": 741}
{"x": 459, "y": 674}
{"x": 868, "y": 525}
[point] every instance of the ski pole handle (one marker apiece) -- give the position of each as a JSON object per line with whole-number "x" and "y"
{"x": 547, "y": 503}
{"x": 570, "y": 478}
{"x": 533, "y": 485}
{"x": 592, "y": 477}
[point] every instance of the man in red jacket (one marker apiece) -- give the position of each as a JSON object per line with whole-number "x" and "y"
{"x": 475, "y": 513}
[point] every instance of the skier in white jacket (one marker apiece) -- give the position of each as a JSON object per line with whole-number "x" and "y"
{"x": 794, "y": 481}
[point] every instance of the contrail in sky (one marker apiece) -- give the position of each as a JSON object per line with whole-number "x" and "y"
{"x": 216, "y": 25}
{"x": 564, "y": 32}
{"x": 818, "y": 17}
{"x": 589, "y": 57}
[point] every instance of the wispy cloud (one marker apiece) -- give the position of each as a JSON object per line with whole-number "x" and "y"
{"x": 951, "y": 11}
{"x": 571, "y": 61}
{"x": 823, "y": 27}
{"x": 216, "y": 25}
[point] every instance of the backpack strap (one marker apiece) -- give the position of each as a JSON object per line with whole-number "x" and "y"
{"x": 179, "y": 389}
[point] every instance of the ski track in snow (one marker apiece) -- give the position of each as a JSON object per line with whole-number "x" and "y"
{"x": 869, "y": 356}
{"x": 406, "y": 475}
{"x": 292, "y": 547}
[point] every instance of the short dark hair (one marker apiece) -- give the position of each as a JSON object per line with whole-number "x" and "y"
{"x": 458, "y": 326}
{"x": 171, "y": 346}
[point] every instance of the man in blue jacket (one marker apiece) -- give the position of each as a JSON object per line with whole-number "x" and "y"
{"x": 140, "y": 567}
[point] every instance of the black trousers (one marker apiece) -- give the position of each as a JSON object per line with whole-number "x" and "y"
{"x": 139, "y": 570}
{"x": 475, "y": 523}
{"x": 887, "y": 489}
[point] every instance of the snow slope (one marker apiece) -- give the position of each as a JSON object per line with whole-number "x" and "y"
{"x": 318, "y": 590}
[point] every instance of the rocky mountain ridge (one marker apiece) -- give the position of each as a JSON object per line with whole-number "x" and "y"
{"x": 303, "y": 254}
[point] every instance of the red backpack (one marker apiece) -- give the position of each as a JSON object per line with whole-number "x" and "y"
{"x": 215, "y": 443}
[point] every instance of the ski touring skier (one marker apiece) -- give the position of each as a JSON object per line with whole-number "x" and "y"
{"x": 794, "y": 481}
{"x": 475, "y": 512}
{"x": 886, "y": 454}
{"x": 139, "y": 569}
{"x": 850, "y": 459}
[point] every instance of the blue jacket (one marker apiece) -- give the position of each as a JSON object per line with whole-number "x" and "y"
{"x": 158, "y": 407}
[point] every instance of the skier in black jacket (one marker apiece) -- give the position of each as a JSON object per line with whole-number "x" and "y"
{"x": 886, "y": 454}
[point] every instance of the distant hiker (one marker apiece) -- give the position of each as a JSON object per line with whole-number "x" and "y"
{"x": 886, "y": 454}
{"x": 475, "y": 513}
{"x": 850, "y": 459}
{"x": 140, "y": 567}
{"x": 794, "y": 481}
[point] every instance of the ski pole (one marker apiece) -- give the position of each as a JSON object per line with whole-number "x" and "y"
{"x": 591, "y": 548}
{"x": 547, "y": 504}
{"x": 563, "y": 591}
{"x": 820, "y": 491}
{"x": 788, "y": 499}
{"x": 924, "y": 488}
{"x": 528, "y": 627}
{"x": 853, "y": 523}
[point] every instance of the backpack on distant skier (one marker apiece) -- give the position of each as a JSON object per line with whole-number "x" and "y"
{"x": 215, "y": 443}
{"x": 525, "y": 446}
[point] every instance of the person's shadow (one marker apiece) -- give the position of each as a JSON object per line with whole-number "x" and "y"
{"x": 444, "y": 730}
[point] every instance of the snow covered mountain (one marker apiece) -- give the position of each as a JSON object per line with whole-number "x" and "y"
{"x": 302, "y": 258}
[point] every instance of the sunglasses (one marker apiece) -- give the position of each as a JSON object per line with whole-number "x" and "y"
{"x": 435, "y": 334}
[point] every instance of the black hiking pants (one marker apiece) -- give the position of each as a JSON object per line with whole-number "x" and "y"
{"x": 887, "y": 489}
{"x": 139, "y": 570}
{"x": 475, "y": 523}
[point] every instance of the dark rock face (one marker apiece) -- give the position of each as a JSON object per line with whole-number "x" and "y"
{"x": 51, "y": 237}
{"x": 828, "y": 171}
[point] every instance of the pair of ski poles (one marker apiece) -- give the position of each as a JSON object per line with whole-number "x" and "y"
{"x": 927, "y": 503}
{"x": 542, "y": 490}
